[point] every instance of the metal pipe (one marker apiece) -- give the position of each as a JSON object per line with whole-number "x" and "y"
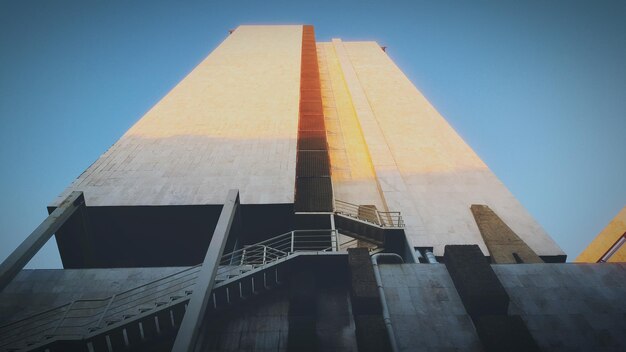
{"x": 383, "y": 300}
{"x": 418, "y": 256}
{"x": 431, "y": 257}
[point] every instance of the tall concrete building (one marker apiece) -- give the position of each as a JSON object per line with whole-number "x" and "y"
{"x": 294, "y": 195}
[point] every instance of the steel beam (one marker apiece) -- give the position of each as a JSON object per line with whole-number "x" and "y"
{"x": 33, "y": 243}
{"x": 189, "y": 332}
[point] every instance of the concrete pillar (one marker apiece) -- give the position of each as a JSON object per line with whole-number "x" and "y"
{"x": 33, "y": 243}
{"x": 189, "y": 332}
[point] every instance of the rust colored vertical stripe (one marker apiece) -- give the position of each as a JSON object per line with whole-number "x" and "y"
{"x": 313, "y": 186}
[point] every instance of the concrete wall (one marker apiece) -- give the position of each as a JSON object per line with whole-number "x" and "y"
{"x": 569, "y": 307}
{"x": 262, "y": 324}
{"x": 353, "y": 174}
{"x": 426, "y": 311}
{"x": 566, "y": 307}
{"x": 421, "y": 166}
{"x": 231, "y": 123}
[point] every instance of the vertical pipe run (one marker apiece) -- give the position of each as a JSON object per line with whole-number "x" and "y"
{"x": 383, "y": 300}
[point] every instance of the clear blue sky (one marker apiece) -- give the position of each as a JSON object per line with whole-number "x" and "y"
{"x": 537, "y": 88}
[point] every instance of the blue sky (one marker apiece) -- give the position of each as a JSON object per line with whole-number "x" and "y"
{"x": 537, "y": 88}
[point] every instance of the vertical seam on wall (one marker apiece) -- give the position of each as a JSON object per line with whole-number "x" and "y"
{"x": 334, "y": 98}
{"x": 369, "y": 154}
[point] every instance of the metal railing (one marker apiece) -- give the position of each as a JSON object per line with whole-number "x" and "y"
{"x": 80, "y": 317}
{"x": 275, "y": 249}
{"x": 370, "y": 214}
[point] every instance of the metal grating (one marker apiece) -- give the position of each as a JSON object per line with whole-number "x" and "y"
{"x": 313, "y": 185}
{"x": 312, "y": 123}
{"x": 312, "y": 140}
{"x": 314, "y": 194}
{"x": 313, "y": 163}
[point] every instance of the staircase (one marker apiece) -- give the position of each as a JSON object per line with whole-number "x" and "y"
{"x": 146, "y": 313}
{"x": 365, "y": 222}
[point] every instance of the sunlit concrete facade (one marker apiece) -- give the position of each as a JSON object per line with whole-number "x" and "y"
{"x": 232, "y": 123}
{"x": 295, "y": 195}
{"x": 608, "y": 246}
{"x": 391, "y": 148}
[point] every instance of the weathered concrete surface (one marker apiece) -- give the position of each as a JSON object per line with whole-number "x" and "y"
{"x": 569, "y": 307}
{"x": 33, "y": 291}
{"x": 231, "y": 123}
{"x": 422, "y": 167}
{"x": 353, "y": 174}
{"x": 566, "y": 307}
{"x": 426, "y": 311}
{"x": 503, "y": 244}
{"x": 262, "y": 324}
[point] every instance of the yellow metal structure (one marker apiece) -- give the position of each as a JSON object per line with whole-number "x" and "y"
{"x": 606, "y": 240}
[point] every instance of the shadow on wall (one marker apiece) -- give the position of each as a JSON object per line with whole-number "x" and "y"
{"x": 151, "y": 197}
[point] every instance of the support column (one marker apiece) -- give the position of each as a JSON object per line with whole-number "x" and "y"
{"x": 486, "y": 301}
{"x": 504, "y": 245}
{"x": 189, "y": 332}
{"x": 38, "y": 238}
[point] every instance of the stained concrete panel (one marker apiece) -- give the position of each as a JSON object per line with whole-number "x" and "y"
{"x": 569, "y": 307}
{"x": 231, "y": 123}
{"x": 426, "y": 311}
{"x": 422, "y": 166}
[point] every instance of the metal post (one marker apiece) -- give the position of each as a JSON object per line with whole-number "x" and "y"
{"x": 69, "y": 307}
{"x": 189, "y": 332}
{"x": 104, "y": 312}
{"x": 293, "y": 239}
{"x": 33, "y": 243}
{"x": 264, "y": 254}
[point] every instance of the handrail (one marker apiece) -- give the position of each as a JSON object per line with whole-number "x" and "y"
{"x": 255, "y": 256}
{"x": 35, "y": 325}
{"x": 370, "y": 214}
{"x": 264, "y": 253}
